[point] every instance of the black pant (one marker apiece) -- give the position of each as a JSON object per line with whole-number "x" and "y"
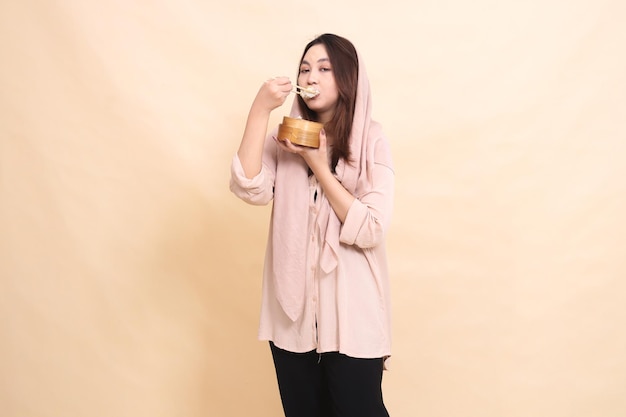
{"x": 329, "y": 385}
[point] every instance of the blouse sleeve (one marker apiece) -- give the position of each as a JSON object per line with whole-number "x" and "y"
{"x": 369, "y": 216}
{"x": 258, "y": 190}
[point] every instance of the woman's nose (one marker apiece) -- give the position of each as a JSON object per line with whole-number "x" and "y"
{"x": 311, "y": 77}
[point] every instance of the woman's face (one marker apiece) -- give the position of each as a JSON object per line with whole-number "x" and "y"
{"x": 316, "y": 71}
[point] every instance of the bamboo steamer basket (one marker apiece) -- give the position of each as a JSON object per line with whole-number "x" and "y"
{"x": 300, "y": 132}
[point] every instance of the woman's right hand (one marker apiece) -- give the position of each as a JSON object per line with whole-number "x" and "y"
{"x": 273, "y": 93}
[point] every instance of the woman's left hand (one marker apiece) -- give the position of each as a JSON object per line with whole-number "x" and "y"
{"x": 316, "y": 158}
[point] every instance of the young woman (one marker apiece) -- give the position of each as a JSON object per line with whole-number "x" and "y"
{"x": 326, "y": 301}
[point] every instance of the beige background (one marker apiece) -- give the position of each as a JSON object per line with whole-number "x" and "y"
{"x": 130, "y": 276}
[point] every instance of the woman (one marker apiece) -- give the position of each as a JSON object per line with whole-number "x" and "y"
{"x": 326, "y": 301}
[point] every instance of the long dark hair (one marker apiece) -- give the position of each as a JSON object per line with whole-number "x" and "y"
{"x": 345, "y": 63}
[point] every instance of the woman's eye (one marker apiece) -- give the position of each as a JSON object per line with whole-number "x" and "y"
{"x": 325, "y": 69}
{"x": 304, "y": 70}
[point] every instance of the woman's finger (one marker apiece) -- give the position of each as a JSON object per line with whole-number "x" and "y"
{"x": 322, "y": 139}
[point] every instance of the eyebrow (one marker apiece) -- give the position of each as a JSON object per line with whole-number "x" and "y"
{"x": 304, "y": 61}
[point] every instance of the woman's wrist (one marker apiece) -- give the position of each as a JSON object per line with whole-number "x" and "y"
{"x": 259, "y": 110}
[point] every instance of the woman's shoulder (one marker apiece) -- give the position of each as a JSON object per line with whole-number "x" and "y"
{"x": 376, "y": 132}
{"x": 380, "y": 144}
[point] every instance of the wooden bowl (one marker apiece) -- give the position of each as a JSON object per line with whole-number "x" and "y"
{"x": 300, "y": 131}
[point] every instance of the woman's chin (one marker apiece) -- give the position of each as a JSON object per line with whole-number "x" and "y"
{"x": 314, "y": 104}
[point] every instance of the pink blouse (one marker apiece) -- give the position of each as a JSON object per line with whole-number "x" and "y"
{"x": 349, "y": 309}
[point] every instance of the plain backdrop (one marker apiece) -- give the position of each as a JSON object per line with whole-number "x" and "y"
{"x": 130, "y": 276}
